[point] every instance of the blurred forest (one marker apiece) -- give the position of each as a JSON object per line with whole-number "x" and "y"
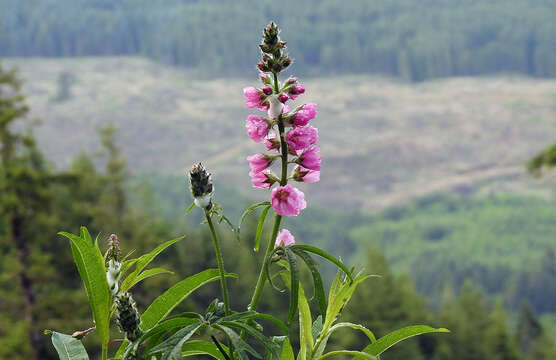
{"x": 413, "y": 40}
{"x": 40, "y": 289}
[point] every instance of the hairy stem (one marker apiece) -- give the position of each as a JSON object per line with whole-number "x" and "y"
{"x": 220, "y": 264}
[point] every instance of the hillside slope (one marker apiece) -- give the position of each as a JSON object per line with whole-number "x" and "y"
{"x": 383, "y": 142}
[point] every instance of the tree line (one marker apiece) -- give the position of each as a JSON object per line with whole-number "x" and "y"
{"x": 413, "y": 40}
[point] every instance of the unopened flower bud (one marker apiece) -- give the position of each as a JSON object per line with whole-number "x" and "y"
{"x": 282, "y": 44}
{"x": 265, "y": 79}
{"x": 286, "y": 62}
{"x": 283, "y": 98}
{"x": 127, "y": 316}
{"x": 292, "y": 80}
{"x": 201, "y": 186}
{"x": 113, "y": 248}
{"x": 267, "y": 90}
{"x": 262, "y": 66}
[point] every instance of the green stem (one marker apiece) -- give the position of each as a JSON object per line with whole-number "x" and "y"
{"x": 283, "y": 181}
{"x": 104, "y": 352}
{"x": 220, "y": 263}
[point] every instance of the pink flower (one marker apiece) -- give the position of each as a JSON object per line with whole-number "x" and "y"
{"x": 259, "y": 162}
{"x": 310, "y": 158}
{"x": 257, "y": 127}
{"x": 297, "y": 90}
{"x": 263, "y": 179}
{"x": 284, "y": 238}
{"x": 305, "y": 114}
{"x": 286, "y": 109}
{"x": 255, "y": 98}
{"x": 305, "y": 175}
{"x": 272, "y": 143}
{"x": 302, "y": 137}
{"x": 287, "y": 200}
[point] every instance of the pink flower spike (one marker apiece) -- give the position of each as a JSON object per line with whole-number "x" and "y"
{"x": 257, "y": 127}
{"x": 252, "y": 96}
{"x": 259, "y": 162}
{"x": 302, "y": 137}
{"x": 263, "y": 179}
{"x": 305, "y": 114}
{"x": 284, "y": 238}
{"x": 287, "y": 200}
{"x": 272, "y": 143}
{"x": 310, "y": 158}
{"x": 305, "y": 175}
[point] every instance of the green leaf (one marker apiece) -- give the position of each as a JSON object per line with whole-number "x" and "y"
{"x": 395, "y": 337}
{"x": 294, "y": 284}
{"x": 68, "y": 347}
{"x": 325, "y": 255}
{"x": 343, "y": 290}
{"x": 190, "y": 208}
{"x": 317, "y": 327}
{"x": 249, "y": 210}
{"x": 357, "y": 354}
{"x": 322, "y": 343}
{"x": 260, "y": 227}
{"x": 305, "y": 326}
{"x": 171, "y": 349}
{"x": 144, "y": 275}
{"x": 198, "y": 347}
{"x": 145, "y": 260}
{"x": 250, "y": 315}
{"x": 270, "y": 346}
{"x": 165, "y": 303}
{"x": 239, "y": 344}
{"x": 90, "y": 264}
{"x": 287, "y": 350}
{"x": 317, "y": 280}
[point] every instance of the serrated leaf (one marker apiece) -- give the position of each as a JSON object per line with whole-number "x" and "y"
{"x": 144, "y": 275}
{"x": 260, "y": 226}
{"x": 387, "y": 341}
{"x": 68, "y": 347}
{"x": 199, "y": 347}
{"x": 91, "y": 268}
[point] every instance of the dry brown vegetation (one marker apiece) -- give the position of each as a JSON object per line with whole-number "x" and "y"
{"x": 383, "y": 141}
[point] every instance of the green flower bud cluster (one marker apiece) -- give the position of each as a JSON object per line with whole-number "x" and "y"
{"x": 274, "y": 58}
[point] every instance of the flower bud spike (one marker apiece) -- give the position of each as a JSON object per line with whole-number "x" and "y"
{"x": 201, "y": 186}
{"x": 127, "y": 316}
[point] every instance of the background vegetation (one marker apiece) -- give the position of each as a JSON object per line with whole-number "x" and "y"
{"x": 414, "y": 40}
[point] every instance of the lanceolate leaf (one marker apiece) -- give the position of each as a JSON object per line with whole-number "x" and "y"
{"x": 305, "y": 326}
{"x": 287, "y": 351}
{"x": 239, "y": 344}
{"x": 90, "y": 264}
{"x": 294, "y": 284}
{"x": 317, "y": 280}
{"x": 198, "y": 347}
{"x": 165, "y": 303}
{"x": 68, "y": 347}
{"x": 395, "y": 337}
{"x": 249, "y": 210}
{"x": 145, "y": 260}
{"x": 144, "y": 275}
{"x": 171, "y": 348}
{"x": 260, "y": 228}
{"x": 327, "y": 256}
